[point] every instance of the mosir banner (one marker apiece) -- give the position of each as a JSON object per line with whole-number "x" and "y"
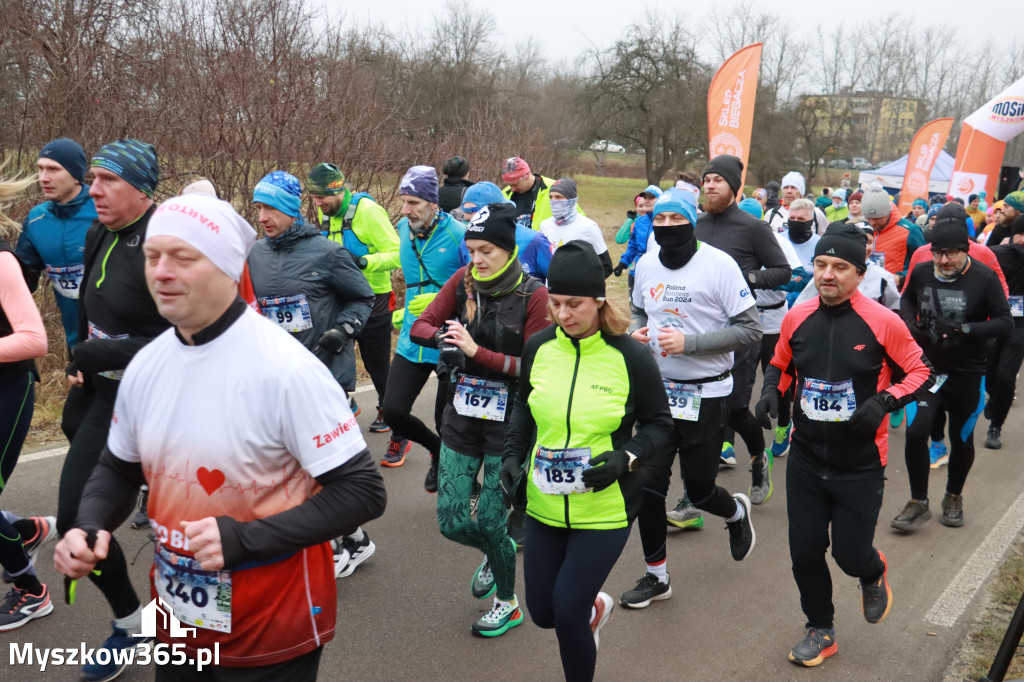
{"x": 983, "y": 141}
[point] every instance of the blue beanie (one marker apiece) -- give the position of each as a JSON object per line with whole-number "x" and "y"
{"x": 279, "y": 190}
{"x": 920, "y": 202}
{"x": 420, "y": 181}
{"x": 675, "y": 200}
{"x": 753, "y": 207}
{"x": 483, "y": 194}
{"x": 133, "y": 161}
{"x": 68, "y": 154}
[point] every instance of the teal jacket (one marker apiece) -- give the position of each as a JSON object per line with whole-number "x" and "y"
{"x": 426, "y": 265}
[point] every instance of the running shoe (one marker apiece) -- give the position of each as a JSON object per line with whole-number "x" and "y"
{"x": 396, "y": 452}
{"x": 685, "y": 515}
{"x": 913, "y": 515}
{"x": 502, "y": 617}
{"x": 952, "y": 510}
{"x": 378, "y": 425}
{"x": 876, "y": 597}
{"x": 483, "y": 585}
{"x": 603, "y": 607}
{"x": 19, "y": 607}
{"x": 474, "y": 497}
{"x": 993, "y": 441}
{"x": 761, "y": 478}
{"x": 430, "y": 480}
{"x": 896, "y": 418}
{"x": 742, "y": 537}
{"x": 141, "y": 518}
{"x": 354, "y": 406}
{"x": 119, "y": 640}
{"x": 341, "y": 557}
{"x": 46, "y": 530}
{"x": 938, "y": 454}
{"x": 819, "y": 644}
{"x": 780, "y": 446}
{"x": 359, "y": 551}
{"x": 728, "y": 458}
{"x": 647, "y": 589}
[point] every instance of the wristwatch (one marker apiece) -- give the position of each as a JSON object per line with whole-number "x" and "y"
{"x": 634, "y": 461}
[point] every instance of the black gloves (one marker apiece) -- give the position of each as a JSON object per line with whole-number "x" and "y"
{"x": 618, "y": 269}
{"x": 331, "y": 342}
{"x": 511, "y": 472}
{"x": 767, "y": 407}
{"x": 947, "y": 329}
{"x": 868, "y": 417}
{"x": 614, "y": 464}
{"x": 631, "y": 215}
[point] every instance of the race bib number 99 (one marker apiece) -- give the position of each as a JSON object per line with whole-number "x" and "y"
{"x": 827, "y": 401}
{"x": 291, "y": 313}
{"x": 199, "y": 598}
{"x": 560, "y": 472}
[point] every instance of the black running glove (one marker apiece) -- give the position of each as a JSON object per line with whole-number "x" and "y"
{"x": 767, "y": 407}
{"x": 614, "y": 464}
{"x": 868, "y": 417}
{"x": 618, "y": 269}
{"x": 511, "y": 472}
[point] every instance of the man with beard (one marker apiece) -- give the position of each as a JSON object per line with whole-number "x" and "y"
{"x": 1013, "y": 206}
{"x": 751, "y": 244}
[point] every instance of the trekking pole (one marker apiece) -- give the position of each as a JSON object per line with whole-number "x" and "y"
{"x": 1008, "y": 647}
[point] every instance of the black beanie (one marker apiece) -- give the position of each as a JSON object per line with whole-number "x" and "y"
{"x": 1018, "y": 225}
{"x": 455, "y": 167}
{"x": 950, "y": 233}
{"x": 495, "y": 223}
{"x": 729, "y": 167}
{"x": 68, "y": 154}
{"x": 952, "y": 210}
{"x": 575, "y": 270}
{"x": 846, "y": 241}
{"x": 566, "y": 187}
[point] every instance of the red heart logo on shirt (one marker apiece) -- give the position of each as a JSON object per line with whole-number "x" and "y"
{"x": 210, "y": 480}
{"x": 657, "y": 291}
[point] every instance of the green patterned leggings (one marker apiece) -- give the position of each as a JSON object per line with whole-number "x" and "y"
{"x": 488, "y": 533}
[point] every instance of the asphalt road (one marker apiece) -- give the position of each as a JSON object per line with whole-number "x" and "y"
{"x": 406, "y": 612}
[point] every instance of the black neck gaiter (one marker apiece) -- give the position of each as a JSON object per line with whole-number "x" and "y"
{"x": 677, "y": 245}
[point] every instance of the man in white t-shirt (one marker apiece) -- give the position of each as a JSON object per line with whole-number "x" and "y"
{"x": 693, "y": 308}
{"x": 566, "y": 224}
{"x": 234, "y": 426}
{"x": 793, "y": 187}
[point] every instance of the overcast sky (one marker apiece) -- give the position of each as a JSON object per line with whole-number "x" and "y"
{"x": 566, "y": 28}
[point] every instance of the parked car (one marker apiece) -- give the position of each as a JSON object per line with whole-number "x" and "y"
{"x": 607, "y": 146}
{"x": 860, "y": 163}
{"x": 839, "y": 163}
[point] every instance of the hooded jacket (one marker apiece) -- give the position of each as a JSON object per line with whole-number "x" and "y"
{"x": 898, "y": 240}
{"x": 302, "y": 262}
{"x": 53, "y": 239}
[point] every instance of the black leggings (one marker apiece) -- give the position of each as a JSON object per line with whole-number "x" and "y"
{"x": 564, "y": 570}
{"x": 851, "y": 508}
{"x": 113, "y": 580}
{"x": 959, "y": 398}
{"x": 375, "y": 350}
{"x": 1009, "y": 355}
{"x": 76, "y": 404}
{"x": 740, "y": 419}
{"x": 699, "y": 444}
{"x": 17, "y": 402}
{"x": 405, "y": 381}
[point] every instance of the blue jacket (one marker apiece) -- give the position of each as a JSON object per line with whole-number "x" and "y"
{"x": 534, "y": 252}
{"x": 53, "y": 237}
{"x": 637, "y": 245}
{"x": 438, "y": 259}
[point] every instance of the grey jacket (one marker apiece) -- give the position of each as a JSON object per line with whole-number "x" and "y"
{"x": 302, "y": 262}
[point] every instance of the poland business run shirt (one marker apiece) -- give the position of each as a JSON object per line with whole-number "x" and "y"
{"x": 697, "y": 298}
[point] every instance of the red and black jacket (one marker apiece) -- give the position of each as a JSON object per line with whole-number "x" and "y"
{"x": 858, "y": 340}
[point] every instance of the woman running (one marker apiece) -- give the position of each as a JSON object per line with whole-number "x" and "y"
{"x": 584, "y": 386}
{"x": 481, "y": 319}
{"x": 22, "y": 339}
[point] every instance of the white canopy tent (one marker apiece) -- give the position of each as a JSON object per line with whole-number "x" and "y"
{"x": 891, "y": 175}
